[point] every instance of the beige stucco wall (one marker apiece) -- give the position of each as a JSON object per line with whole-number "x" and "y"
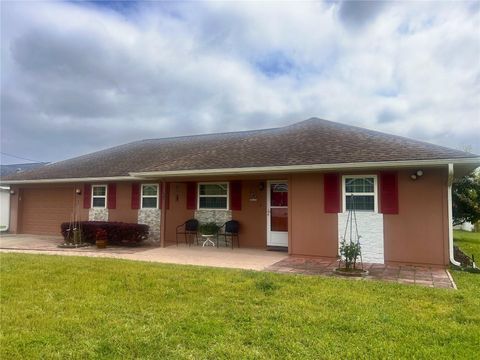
{"x": 419, "y": 233}
{"x": 313, "y": 232}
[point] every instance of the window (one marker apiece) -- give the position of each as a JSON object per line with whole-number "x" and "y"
{"x": 360, "y": 192}
{"x": 99, "y": 196}
{"x": 150, "y": 196}
{"x": 213, "y": 196}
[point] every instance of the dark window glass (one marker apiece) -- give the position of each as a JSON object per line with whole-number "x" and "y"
{"x": 213, "y": 189}
{"x": 149, "y": 202}
{"x": 150, "y": 190}
{"x": 359, "y": 185}
{"x": 98, "y": 202}
{"x": 361, "y": 203}
{"x": 99, "y": 190}
{"x": 213, "y": 202}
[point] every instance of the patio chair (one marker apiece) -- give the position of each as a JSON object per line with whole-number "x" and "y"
{"x": 188, "y": 228}
{"x": 229, "y": 230}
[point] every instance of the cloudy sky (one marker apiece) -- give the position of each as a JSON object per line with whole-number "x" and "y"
{"x": 81, "y": 76}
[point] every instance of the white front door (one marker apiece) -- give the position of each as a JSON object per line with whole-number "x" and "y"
{"x": 277, "y": 213}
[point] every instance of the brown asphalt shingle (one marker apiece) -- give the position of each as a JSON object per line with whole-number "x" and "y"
{"x": 312, "y": 141}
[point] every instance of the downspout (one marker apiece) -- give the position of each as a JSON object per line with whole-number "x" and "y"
{"x": 450, "y": 216}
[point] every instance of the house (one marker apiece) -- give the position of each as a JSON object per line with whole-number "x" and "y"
{"x": 6, "y": 170}
{"x": 289, "y": 187}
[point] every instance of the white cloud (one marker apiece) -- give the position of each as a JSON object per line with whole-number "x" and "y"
{"x": 77, "y": 78}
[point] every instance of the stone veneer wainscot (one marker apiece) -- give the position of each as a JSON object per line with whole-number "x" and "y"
{"x": 151, "y": 217}
{"x": 219, "y": 217}
{"x": 98, "y": 214}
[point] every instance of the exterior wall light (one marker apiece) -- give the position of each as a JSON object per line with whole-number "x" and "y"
{"x": 416, "y": 175}
{"x": 78, "y": 191}
{"x": 12, "y": 192}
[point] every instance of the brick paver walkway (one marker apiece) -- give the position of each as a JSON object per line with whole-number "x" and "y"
{"x": 437, "y": 277}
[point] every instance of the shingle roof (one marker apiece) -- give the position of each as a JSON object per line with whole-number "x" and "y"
{"x": 309, "y": 142}
{"x": 9, "y": 169}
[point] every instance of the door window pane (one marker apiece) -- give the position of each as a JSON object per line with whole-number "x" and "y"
{"x": 279, "y": 195}
{"x": 279, "y": 219}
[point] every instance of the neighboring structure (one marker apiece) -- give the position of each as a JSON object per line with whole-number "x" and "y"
{"x": 288, "y": 187}
{"x": 6, "y": 170}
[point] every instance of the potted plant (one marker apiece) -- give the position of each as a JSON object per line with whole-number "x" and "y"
{"x": 101, "y": 238}
{"x": 350, "y": 252}
{"x": 209, "y": 228}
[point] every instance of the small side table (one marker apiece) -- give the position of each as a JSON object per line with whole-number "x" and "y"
{"x": 208, "y": 239}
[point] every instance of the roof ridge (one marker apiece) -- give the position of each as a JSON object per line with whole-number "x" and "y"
{"x": 212, "y": 134}
{"x": 368, "y": 130}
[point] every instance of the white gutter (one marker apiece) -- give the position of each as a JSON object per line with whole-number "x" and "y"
{"x": 70, "y": 180}
{"x": 313, "y": 167}
{"x": 251, "y": 170}
{"x": 450, "y": 216}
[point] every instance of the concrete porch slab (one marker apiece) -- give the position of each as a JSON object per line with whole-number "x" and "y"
{"x": 239, "y": 258}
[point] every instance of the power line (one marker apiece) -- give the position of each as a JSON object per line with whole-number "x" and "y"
{"x": 19, "y": 157}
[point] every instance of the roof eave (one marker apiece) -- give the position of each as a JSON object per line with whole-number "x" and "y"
{"x": 70, "y": 180}
{"x": 306, "y": 168}
{"x": 475, "y": 161}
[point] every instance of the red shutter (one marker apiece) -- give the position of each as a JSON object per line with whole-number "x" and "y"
{"x": 135, "y": 196}
{"x": 331, "y": 187}
{"x": 160, "y": 195}
{"x": 388, "y": 193}
{"x": 87, "y": 196}
{"x": 235, "y": 195}
{"x": 112, "y": 196}
{"x": 191, "y": 195}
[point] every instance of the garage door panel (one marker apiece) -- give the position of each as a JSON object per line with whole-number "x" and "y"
{"x": 43, "y": 210}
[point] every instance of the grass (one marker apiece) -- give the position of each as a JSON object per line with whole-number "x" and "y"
{"x": 468, "y": 242}
{"x": 74, "y": 307}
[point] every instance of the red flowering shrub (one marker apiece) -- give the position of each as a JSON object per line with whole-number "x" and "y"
{"x": 117, "y": 233}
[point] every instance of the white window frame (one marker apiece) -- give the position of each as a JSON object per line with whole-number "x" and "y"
{"x": 374, "y": 193}
{"x": 213, "y": 183}
{"x": 149, "y": 196}
{"x": 98, "y": 196}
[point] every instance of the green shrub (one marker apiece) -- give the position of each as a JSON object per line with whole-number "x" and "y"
{"x": 208, "y": 228}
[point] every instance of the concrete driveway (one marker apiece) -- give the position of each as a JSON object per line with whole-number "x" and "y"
{"x": 251, "y": 259}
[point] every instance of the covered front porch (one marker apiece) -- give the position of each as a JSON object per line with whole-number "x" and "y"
{"x": 260, "y": 206}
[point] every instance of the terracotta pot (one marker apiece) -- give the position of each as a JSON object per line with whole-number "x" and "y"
{"x": 101, "y": 244}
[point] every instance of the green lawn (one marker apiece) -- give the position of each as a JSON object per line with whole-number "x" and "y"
{"x": 75, "y": 307}
{"x": 468, "y": 242}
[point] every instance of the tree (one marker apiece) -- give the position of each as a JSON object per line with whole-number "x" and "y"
{"x": 466, "y": 199}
